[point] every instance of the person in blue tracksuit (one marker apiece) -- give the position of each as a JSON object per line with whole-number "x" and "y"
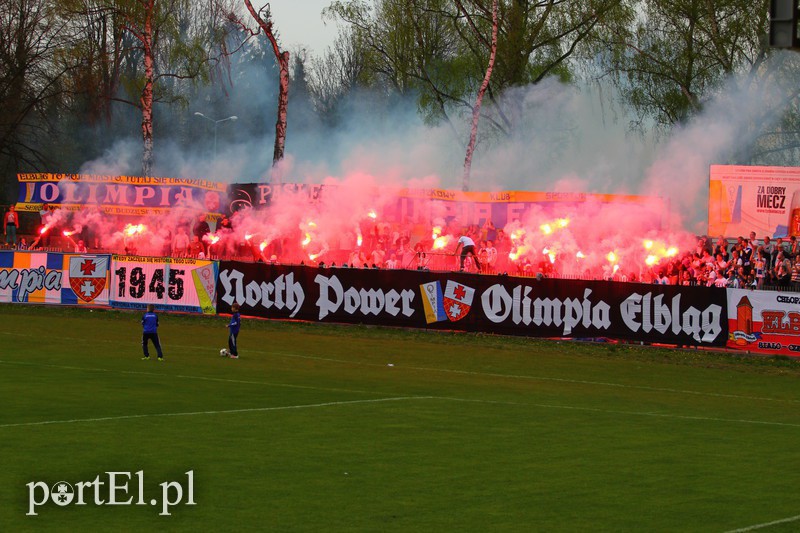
{"x": 150, "y": 332}
{"x": 233, "y": 331}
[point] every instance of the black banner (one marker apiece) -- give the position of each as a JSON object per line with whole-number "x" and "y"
{"x": 259, "y": 195}
{"x": 492, "y": 304}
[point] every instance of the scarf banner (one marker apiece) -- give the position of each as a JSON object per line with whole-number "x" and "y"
{"x": 477, "y": 303}
{"x": 54, "y": 278}
{"x": 423, "y": 205}
{"x": 118, "y": 195}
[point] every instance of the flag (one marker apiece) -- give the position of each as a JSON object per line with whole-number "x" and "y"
{"x": 433, "y": 302}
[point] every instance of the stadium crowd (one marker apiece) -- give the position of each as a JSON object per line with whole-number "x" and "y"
{"x": 741, "y": 263}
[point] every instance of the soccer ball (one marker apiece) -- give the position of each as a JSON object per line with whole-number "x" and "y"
{"x": 224, "y": 352}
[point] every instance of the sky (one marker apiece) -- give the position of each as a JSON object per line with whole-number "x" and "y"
{"x": 300, "y": 25}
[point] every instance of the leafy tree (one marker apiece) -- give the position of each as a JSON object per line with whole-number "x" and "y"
{"x": 676, "y": 53}
{"x": 143, "y": 50}
{"x": 438, "y": 50}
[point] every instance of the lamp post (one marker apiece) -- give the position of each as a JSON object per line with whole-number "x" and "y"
{"x": 199, "y": 114}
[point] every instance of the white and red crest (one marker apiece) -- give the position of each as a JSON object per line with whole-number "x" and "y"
{"x": 457, "y": 300}
{"x": 87, "y": 276}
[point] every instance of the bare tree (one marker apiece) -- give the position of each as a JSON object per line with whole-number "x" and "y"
{"x": 32, "y": 71}
{"x": 338, "y": 71}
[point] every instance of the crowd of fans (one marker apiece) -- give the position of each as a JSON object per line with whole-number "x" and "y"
{"x": 743, "y": 263}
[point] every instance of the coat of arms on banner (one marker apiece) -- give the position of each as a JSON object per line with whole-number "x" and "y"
{"x": 87, "y": 276}
{"x": 457, "y": 300}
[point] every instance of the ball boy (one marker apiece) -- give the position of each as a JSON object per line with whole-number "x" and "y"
{"x": 233, "y": 331}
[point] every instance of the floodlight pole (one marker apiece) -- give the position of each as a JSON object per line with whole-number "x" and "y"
{"x": 199, "y": 114}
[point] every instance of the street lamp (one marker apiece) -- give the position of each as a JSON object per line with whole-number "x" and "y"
{"x": 199, "y": 114}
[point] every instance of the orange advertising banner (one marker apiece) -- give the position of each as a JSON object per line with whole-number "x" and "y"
{"x": 750, "y": 198}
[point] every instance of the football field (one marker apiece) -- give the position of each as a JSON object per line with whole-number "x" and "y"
{"x": 326, "y": 428}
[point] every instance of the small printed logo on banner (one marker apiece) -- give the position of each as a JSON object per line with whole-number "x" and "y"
{"x": 115, "y": 490}
{"x": 433, "y": 302}
{"x": 87, "y": 276}
{"x": 742, "y": 337}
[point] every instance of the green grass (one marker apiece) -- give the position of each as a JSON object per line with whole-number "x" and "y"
{"x": 311, "y": 430}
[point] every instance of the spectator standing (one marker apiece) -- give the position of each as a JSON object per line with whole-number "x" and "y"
{"x": 760, "y": 267}
{"x": 779, "y": 246}
{"x": 770, "y": 251}
{"x": 44, "y": 238}
{"x": 196, "y": 248}
{"x": 796, "y": 275}
{"x": 180, "y": 243}
{"x": 10, "y": 225}
{"x": 201, "y": 229}
{"x": 491, "y": 230}
{"x": 794, "y": 247}
{"x": 491, "y": 256}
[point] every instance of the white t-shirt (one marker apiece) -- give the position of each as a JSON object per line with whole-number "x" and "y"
{"x": 465, "y": 241}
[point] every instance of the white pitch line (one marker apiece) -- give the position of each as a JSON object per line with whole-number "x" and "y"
{"x": 488, "y": 374}
{"x": 628, "y": 413}
{"x": 182, "y": 376}
{"x": 766, "y": 524}
{"x": 399, "y": 398}
{"x": 540, "y": 378}
{"x": 226, "y": 411}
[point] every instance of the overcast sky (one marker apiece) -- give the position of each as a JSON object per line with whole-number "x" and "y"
{"x": 299, "y": 23}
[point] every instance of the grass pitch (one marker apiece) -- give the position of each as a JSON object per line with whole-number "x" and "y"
{"x": 324, "y": 428}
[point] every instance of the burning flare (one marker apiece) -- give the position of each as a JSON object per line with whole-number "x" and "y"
{"x": 517, "y": 234}
{"x": 134, "y": 229}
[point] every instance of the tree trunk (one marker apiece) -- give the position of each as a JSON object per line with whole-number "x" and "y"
{"x": 265, "y": 23}
{"x": 147, "y": 91}
{"x": 476, "y": 110}
{"x": 280, "y": 125}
